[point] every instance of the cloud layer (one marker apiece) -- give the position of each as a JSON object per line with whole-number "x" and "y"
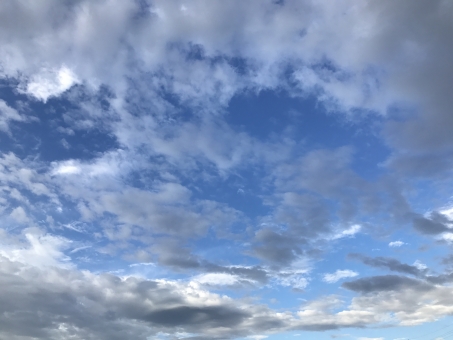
{"x": 163, "y": 159}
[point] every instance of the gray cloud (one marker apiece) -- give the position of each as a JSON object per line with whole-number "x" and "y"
{"x": 55, "y": 303}
{"x": 440, "y": 279}
{"x": 277, "y": 248}
{"x": 388, "y": 263}
{"x": 396, "y": 64}
{"x": 448, "y": 260}
{"x": 305, "y": 215}
{"x": 141, "y": 52}
{"x": 196, "y": 316}
{"x": 385, "y": 283}
{"x": 173, "y": 254}
{"x": 256, "y": 274}
{"x": 435, "y": 224}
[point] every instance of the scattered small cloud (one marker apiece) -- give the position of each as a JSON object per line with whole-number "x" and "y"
{"x": 339, "y": 275}
{"x": 396, "y": 244}
{"x": 350, "y": 232}
{"x": 420, "y": 265}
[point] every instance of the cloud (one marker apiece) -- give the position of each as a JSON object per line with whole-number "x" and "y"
{"x": 351, "y": 231}
{"x": 210, "y": 316}
{"x": 385, "y": 283}
{"x": 374, "y": 69}
{"x": 391, "y": 300}
{"x": 433, "y": 224}
{"x": 19, "y": 215}
{"x": 417, "y": 269}
{"x": 7, "y": 115}
{"x": 51, "y": 83}
{"x": 389, "y": 263}
{"x": 36, "y": 248}
{"x": 67, "y": 168}
{"x": 217, "y": 279}
{"x": 278, "y": 249}
{"x": 156, "y": 79}
{"x": 338, "y": 275}
{"x": 396, "y": 244}
{"x": 104, "y": 306}
{"x": 22, "y": 176}
{"x": 318, "y": 315}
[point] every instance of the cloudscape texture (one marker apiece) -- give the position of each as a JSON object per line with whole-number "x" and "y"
{"x": 239, "y": 169}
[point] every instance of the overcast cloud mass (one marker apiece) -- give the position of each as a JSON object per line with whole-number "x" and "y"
{"x": 233, "y": 169}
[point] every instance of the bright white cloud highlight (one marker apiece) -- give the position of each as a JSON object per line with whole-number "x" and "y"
{"x": 51, "y": 82}
{"x": 339, "y": 275}
{"x": 67, "y": 168}
{"x": 350, "y": 232}
{"x": 36, "y": 248}
{"x": 217, "y": 279}
{"x": 396, "y": 244}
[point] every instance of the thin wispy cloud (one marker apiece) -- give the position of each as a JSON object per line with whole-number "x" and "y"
{"x": 339, "y": 275}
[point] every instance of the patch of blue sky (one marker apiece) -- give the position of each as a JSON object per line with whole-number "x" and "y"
{"x": 271, "y": 115}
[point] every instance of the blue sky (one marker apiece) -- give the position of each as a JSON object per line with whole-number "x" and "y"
{"x": 226, "y": 169}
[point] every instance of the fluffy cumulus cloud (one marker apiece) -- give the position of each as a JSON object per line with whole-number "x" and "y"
{"x": 82, "y": 305}
{"x": 201, "y": 169}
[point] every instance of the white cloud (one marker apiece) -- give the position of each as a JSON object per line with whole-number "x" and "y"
{"x": 448, "y": 237}
{"x": 19, "y": 215}
{"x": 396, "y": 244}
{"x": 217, "y": 279}
{"x": 8, "y": 114}
{"x": 338, "y": 275}
{"x": 67, "y": 168}
{"x": 51, "y": 83}
{"x": 350, "y": 232}
{"x": 447, "y": 212}
{"x": 420, "y": 265}
{"x": 36, "y": 248}
{"x": 293, "y": 280}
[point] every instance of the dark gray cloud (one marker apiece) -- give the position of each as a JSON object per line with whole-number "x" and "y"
{"x": 214, "y": 316}
{"x": 440, "y": 279}
{"x": 56, "y": 304}
{"x": 397, "y": 266}
{"x": 388, "y": 263}
{"x": 448, "y": 260}
{"x": 422, "y": 77}
{"x": 422, "y": 165}
{"x": 384, "y": 283}
{"x": 277, "y": 248}
{"x": 436, "y": 223}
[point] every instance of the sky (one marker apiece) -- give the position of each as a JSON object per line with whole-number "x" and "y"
{"x": 208, "y": 169}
